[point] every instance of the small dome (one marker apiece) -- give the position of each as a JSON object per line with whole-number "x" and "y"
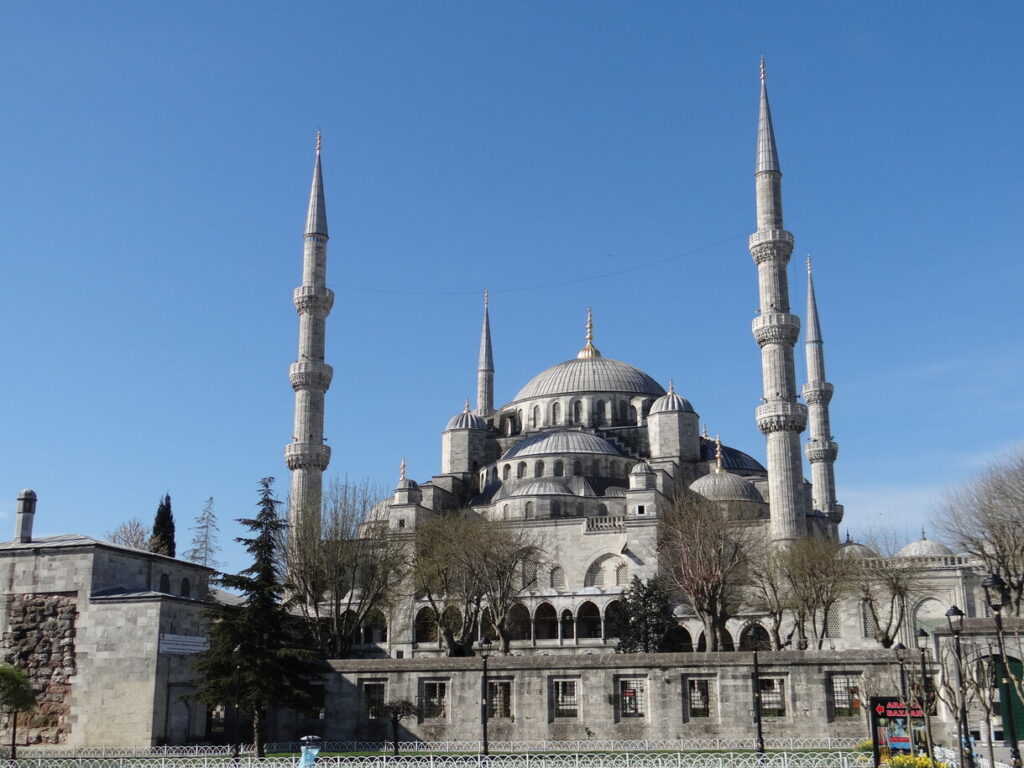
{"x": 546, "y": 486}
{"x": 853, "y": 549}
{"x": 641, "y": 468}
{"x": 565, "y": 441}
{"x": 405, "y": 483}
{"x": 28, "y": 493}
{"x": 466, "y": 420}
{"x": 725, "y": 486}
{"x": 731, "y": 458}
{"x": 670, "y": 402}
{"x": 924, "y": 547}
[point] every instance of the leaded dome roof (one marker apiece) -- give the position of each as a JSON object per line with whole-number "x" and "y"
{"x": 731, "y": 458}
{"x": 561, "y": 442}
{"x": 589, "y": 374}
{"x": 466, "y": 420}
{"x": 855, "y": 549}
{"x": 545, "y": 486}
{"x": 924, "y": 547}
{"x": 670, "y": 402}
{"x": 641, "y": 468}
{"x": 725, "y": 486}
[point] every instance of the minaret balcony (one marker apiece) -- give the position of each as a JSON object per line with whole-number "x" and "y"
{"x": 312, "y": 299}
{"x": 314, "y": 376}
{"x": 776, "y": 328}
{"x": 822, "y": 450}
{"x": 781, "y": 416}
{"x": 818, "y": 392}
{"x": 307, "y": 456}
{"x": 770, "y": 244}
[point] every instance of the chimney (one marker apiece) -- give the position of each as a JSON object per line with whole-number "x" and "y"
{"x": 26, "y": 513}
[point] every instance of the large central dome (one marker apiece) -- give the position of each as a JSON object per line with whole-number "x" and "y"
{"x": 590, "y": 374}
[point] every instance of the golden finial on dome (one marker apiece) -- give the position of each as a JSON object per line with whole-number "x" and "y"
{"x": 466, "y": 408}
{"x": 718, "y": 453}
{"x": 401, "y": 475}
{"x": 589, "y": 350}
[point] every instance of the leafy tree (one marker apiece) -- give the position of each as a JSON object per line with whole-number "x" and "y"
{"x": 131, "y": 533}
{"x": 162, "y": 540}
{"x": 645, "y": 619}
{"x": 396, "y": 712}
{"x": 255, "y": 659}
{"x": 16, "y": 695}
{"x": 204, "y": 541}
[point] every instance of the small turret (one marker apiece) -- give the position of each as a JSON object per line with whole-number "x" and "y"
{"x": 672, "y": 428}
{"x": 26, "y": 512}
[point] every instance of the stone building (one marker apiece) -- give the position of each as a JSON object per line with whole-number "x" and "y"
{"x": 105, "y": 633}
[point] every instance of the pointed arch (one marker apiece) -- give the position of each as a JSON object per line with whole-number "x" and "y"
{"x": 425, "y": 629}
{"x": 755, "y": 637}
{"x": 588, "y": 620}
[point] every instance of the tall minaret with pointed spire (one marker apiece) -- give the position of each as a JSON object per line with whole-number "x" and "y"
{"x": 780, "y": 417}
{"x": 821, "y": 449}
{"x": 307, "y": 456}
{"x": 485, "y": 367}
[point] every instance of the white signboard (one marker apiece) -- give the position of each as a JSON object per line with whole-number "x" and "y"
{"x": 182, "y": 645}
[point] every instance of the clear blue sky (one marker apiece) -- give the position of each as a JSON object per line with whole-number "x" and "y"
{"x": 155, "y": 162}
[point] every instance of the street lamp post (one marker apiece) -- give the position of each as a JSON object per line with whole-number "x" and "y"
{"x": 901, "y": 656}
{"x": 921, "y": 640}
{"x": 996, "y": 597}
{"x": 759, "y": 744}
{"x": 955, "y": 617}
{"x": 484, "y": 647}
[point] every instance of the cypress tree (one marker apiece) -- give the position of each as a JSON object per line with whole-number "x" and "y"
{"x": 162, "y": 540}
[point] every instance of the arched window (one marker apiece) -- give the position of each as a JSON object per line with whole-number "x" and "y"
{"x": 538, "y": 469}
{"x": 557, "y": 578}
{"x": 545, "y": 622}
{"x": 556, "y": 508}
{"x": 518, "y": 623}
{"x": 529, "y": 510}
{"x": 754, "y": 637}
{"x": 506, "y": 471}
{"x": 577, "y": 412}
{"x": 613, "y": 619}
{"x": 632, "y": 415}
{"x": 521, "y": 469}
{"x": 595, "y": 575}
{"x": 504, "y": 512}
{"x": 375, "y": 628}
{"x": 568, "y": 625}
{"x": 556, "y": 413}
{"x": 622, "y": 575}
{"x": 536, "y": 416}
{"x": 599, "y": 413}
{"x": 165, "y": 583}
{"x": 602, "y": 510}
{"x": 559, "y": 469}
{"x": 186, "y": 588}
{"x": 588, "y": 617}
{"x": 577, "y": 467}
{"x": 623, "y": 411}
{"x": 595, "y": 469}
{"x": 426, "y": 626}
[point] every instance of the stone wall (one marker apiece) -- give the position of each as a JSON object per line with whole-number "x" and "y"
{"x": 40, "y": 639}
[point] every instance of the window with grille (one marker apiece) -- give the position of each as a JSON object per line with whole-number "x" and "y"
{"x": 773, "y": 696}
{"x": 845, "y": 690}
{"x": 435, "y": 697}
{"x": 499, "y": 699}
{"x": 833, "y": 622}
{"x": 632, "y": 699}
{"x": 868, "y": 620}
{"x": 565, "y": 698}
{"x": 698, "y": 697}
{"x": 373, "y": 698}
{"x": 622, "y": 575}
{"x": 557, "y": 578}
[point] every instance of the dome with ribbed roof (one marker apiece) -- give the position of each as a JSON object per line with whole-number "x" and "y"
{"x": 466, "y": 420}
{"x": 590, "y": 374}
{"x": 670, "y": 402}
{"x": 725, "y": 486}
{"x": 924, "y": 547}
{"x": 545, "y": 486}
{"x": 641, "y": 468}
{"x": 855, "y": 549}
{"x": 561, "y": 442}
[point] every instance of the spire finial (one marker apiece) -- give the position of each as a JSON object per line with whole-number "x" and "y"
{"x": 466, "y": 407}
{"x": 589, "y": 350}
{"x": 767, "y": 155}
{"x": 762, "y": 68}
{"x": 923, "y": 537}
{"x": 401, "y": 474}
{"x": 318, "y": 141}
{"x": 671, "y": 386}
{"x": 704, "y": 432}
{"x": 487, "y": 298}
{"x": 808, "y": 263}
{"x": 848, "y": 539}
{"x": 718, "y": 453}
{"x": 316, "y": 215}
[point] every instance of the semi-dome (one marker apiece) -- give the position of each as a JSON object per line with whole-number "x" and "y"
{"x": 670, "y": 402}
{"x": 590, "y": 374}
{"x": 545, "y": 486}
{"x": 924, "y": 547}
{"x": 466, "y": 420}
{"x": 725, "y": 486}
{"x": 561, "y": 442}
{"x": 731, "y": 458}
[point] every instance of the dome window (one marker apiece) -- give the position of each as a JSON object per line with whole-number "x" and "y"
{"x": 559, "y": 469}
{"x": 556, "y": 413}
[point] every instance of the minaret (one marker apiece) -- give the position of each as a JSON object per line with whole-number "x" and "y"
{"x": 485, "y": 368}
{"x": 307, "y": 456}
{"x": 821, "y": 449}
{"x": 780, "y": 417}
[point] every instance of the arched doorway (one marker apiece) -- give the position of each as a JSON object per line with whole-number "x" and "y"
{"x": 754, "y": 637}
{"x": 425, "y": 628}
{"x": 568, "y": 625}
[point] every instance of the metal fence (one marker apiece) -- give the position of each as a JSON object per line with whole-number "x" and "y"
{"x": 677, "y": 759}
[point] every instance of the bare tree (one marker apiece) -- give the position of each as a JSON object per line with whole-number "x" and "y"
{"x": 346, "y": 566}
{"x": 886, "y": 585}
{"x": 769, "y": 591}
{"x": 817, "y": 577}
{"x": 445, "y": 578}
{"x": 131, "y": 533}
{"x": 985, "y": 518}
{"x": 707, "y": 557}
{"x": 980, "y": 675}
